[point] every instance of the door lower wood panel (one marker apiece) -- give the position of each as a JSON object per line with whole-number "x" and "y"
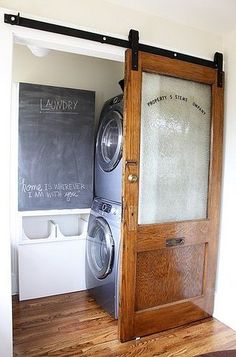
{"x": 167, "y": 275}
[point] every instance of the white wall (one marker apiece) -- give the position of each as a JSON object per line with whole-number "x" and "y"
{"x": 103, "y": 17}
{"x": 225, "y": 309}
{"x": 115, "y": 19}
{"x": 69, "y": 70}
{"x": 6, "y": 44}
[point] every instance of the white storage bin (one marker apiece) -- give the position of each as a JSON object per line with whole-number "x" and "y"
{"x": 51, "y": 268}
{"x": 51, "y": 254}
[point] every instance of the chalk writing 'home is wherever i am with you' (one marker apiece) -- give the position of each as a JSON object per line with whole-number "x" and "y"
{"x": 52, "y": 191}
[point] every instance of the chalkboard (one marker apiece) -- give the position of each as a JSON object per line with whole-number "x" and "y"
{"x": 56, "y": 147}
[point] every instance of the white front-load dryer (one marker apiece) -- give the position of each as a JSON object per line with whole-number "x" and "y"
{"x": 108, "y": 156}
{"x": 102, "y": 254}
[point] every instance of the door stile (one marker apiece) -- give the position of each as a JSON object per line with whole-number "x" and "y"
{"x": 131, "y": 132}
{"x": 214, "y": 191}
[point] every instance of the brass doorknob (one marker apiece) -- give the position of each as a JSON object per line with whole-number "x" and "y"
{"x": 133, "y": 178}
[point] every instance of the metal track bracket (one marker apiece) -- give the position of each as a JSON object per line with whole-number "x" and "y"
{"x": 218, "y": 60}
{"x": 12, "y": 19}
{"x": 134, "y": 45}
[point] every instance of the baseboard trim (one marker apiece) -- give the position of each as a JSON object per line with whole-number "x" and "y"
{"x": 14, "y": 284}
{"x": 223, "y": 310}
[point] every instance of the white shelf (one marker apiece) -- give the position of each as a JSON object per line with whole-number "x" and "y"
{"x": 54, "y": 212}
{"x": 52, "y": 240}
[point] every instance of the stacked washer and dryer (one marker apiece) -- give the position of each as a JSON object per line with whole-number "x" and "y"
{"x": 103, "y": 237}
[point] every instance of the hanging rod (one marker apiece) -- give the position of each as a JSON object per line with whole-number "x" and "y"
{"x": 132, "y": 42}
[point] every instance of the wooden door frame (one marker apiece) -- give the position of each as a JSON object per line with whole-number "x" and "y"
{"x": 131, "y": 322}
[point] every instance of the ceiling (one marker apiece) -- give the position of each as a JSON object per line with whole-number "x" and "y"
{"x": 217, "y": 16}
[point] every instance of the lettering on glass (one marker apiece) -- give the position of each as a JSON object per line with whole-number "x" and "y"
{"x": 176, "y": 97}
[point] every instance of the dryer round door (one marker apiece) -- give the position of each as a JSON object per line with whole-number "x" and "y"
{"x": 109, "y": 141}
{"x": 100, "y": 248}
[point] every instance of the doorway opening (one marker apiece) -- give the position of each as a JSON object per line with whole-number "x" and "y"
{"x": 48, "y": 270}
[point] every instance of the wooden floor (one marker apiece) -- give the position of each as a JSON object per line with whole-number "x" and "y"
{"x": 74, "y": 325}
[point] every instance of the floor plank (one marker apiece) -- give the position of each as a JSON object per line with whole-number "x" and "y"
{"x": 74, "y": 325}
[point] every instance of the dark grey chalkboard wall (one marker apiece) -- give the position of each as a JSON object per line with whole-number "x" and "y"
{"x": 56, "y": 147}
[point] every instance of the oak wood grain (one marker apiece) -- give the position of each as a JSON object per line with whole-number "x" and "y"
{"x": 177, "y": 68}
{"x": 74, "y": 325}
{"x": 145, "y": 240}
{"x": 167, "y": 275}
{"x": 153, "y": 236}
{"x": 129, "y": 222}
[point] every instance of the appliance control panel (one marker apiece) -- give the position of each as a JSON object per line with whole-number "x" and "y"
{"x": 105, "y": 207}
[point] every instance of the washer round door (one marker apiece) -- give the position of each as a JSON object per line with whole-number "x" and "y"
{"x": 109, "y": 141}
{"x": 100, "y": 248}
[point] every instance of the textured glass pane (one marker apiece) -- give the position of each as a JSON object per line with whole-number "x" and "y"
{"x": 175, "y": 145}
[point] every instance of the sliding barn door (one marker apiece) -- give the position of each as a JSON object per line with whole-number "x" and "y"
{"x": 171, "y": 194}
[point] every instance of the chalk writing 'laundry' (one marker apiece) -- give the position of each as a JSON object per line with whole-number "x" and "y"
{"x": 57, "y": 105}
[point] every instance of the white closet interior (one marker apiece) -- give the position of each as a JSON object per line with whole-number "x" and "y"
{"x": 51, "y": 243}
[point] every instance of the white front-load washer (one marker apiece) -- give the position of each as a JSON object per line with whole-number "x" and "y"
{"x": 102, "y": 254}
{"x": 108, "y": 163}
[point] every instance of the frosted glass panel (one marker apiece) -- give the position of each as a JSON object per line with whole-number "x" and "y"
{"x": 175, "y": 149}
